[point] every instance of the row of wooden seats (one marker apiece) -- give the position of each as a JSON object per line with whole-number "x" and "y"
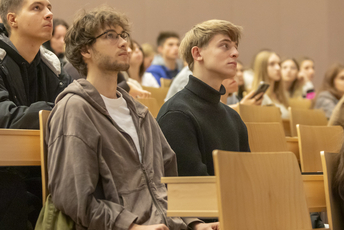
{"x": 272, "y": 114}
{"x": 250, "y": 191}
{"x": 269, "y": 137}
{"x": 29, "y": 143}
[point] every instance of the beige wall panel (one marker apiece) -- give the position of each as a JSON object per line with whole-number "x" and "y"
{"x": 290, "y": 27}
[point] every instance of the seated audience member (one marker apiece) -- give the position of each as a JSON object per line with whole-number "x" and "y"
{"x": 292, "y": 84}
{"x": 194, "y": 121}
{"x": 267, "y": 68}
{"x": 148, "y": 53}
{"x": 306, "y": 75}
{"x": 136, "y": 70}
{"x": 56, "y": 44}
{"x": 30, "y": 80}
{"x": 231, "y": 86}
{"x": 111, "y": 149}
{"x": 332, "y": 89}
{"x": 165, "y": 65}
{"x": 337, "y": 117}
{"x": 231, "y": 99}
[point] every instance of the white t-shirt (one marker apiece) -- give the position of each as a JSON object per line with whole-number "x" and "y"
{"x": 149, "y": 80}
{"x": 284, "y": 110}
{"x": 119, "y": 112}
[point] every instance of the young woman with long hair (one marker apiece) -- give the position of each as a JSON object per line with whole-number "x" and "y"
{"x": 267, "y": 68}
{"x": 292, "y": 84}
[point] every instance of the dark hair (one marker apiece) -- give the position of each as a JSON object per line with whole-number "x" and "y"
{"x": 142, "y": 67}
{"x": 7, "y": 6}
{"x": 330, "y": 75}
{"x": 56, "y": 22}
{"x": 163, "y": 36}
{"x": 59, "y": 22}
{"x": 84, "y": 29}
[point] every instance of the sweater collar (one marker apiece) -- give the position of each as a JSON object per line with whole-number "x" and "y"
{"x": 205, "y": 91}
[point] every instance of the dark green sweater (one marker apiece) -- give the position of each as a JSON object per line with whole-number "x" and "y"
{"x": 195, "y": 123}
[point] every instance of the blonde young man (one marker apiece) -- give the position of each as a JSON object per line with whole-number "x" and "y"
{"x": 106, "y": 153}
{"x": 194, "y": 121}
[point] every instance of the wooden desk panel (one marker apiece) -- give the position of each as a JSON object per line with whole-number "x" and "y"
{"x": 293, "y": 146}
{"x": 19, "y": 147}
{"x": 196, "y": 196}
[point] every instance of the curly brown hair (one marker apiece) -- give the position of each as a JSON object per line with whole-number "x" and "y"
{"x": 85, "y": 27}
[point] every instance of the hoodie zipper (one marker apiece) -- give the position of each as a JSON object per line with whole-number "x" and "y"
{"x": 155, "y": 202}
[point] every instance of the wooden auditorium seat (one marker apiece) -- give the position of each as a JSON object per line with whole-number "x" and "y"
{"x": 306, "y": 117}
{"x": 329, "y": 163}
{"x": 151, "y": 104}
{"x": 260, "y": 191}
{"x": 313, "y": 140}
{"x": 43, "y": 117}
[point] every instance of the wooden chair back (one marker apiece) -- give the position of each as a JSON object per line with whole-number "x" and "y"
{"x": 306, "y": 117}
{"x": 301, "y": 103}
{"x": 260, "y": 191}
{"x": 19, "y": 147}
{"x": 251, "y": 113}
{"x": 43, "y": 117}
{"x": 158, "y": 93}
{"x": 266, "y": 137}
{"x": 165, "y": 83}
{"x": 151, "y": 104}
{"x": 330, "y": 163}
{"x": 313, "y": 140}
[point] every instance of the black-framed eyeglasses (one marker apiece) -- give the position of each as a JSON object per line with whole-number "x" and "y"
{"x": 112, "y": 35}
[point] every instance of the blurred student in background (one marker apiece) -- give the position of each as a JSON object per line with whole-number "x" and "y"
{"x": 332, "y": 89}
{"x": 57, "y": 44}
{"x": 166, "y": 65}
{"x": 136, "y": 70}
{"x": 148, "y": 53}
{"x": 306, "y": 75}
{"x": 267, "y": 68}
{"x": 292, "y": 84}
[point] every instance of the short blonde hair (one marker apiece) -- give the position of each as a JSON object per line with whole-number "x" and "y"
{"x": 202, "y": 33}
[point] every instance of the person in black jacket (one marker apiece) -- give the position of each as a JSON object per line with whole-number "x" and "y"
{"x": 30, "y": 80}
{"x": 194, "y": 121}
{"x": 30, "y": 76}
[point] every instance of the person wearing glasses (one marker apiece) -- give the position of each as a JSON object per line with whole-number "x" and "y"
{"x": 106, "y": 153}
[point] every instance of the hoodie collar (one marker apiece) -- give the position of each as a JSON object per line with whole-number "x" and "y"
{"x": 88, "y": 92}
{"x": 205, "y": 91}
{"x": 7, "y": 47}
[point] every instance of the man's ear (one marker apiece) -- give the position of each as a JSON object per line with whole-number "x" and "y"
{"x": 86, "y": 52}
{"x": 196, "y": 53}
{"x": 12, "y": 20}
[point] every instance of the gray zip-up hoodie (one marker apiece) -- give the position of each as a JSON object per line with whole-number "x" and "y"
{"x": 95, "y": 175}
